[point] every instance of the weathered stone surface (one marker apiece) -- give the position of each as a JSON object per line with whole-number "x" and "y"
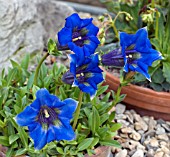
{"x": 25, "y": 26}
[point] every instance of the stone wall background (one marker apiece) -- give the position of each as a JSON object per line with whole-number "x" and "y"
{"x": 25, "y": 26}
{"x": 89, "y": 2}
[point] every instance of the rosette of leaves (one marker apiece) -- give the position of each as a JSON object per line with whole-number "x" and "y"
{"x": 95, "y": 126}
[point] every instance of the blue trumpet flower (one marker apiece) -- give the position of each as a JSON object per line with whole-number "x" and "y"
{"x": 48, "y": 118}
{"x": 78, "y": 32}
{"x": 84, "y": 72}
{"x": 135, "y": 54}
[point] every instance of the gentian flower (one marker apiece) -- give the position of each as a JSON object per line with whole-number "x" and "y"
{"x": 136, "y": 53}
{"x": 84, "y": 72}
{"x": 48, "y": 118}
{"x": 113, "y": 58}
{"x": 78, "y": 32}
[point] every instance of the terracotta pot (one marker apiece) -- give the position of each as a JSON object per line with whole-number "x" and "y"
{"x": 102, "y": 151}
{"x": 144, "y": 100}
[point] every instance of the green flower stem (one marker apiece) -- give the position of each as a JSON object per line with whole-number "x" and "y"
{"x": 157, "y": 24}
{"x": 153, "y": 3}
{"x": 123, "y": 82}
{"x": 38, "y": 68}
{"x": 114, "y": 21}
{"x": 77, "y": 113}
{"x": 116, "y": 100}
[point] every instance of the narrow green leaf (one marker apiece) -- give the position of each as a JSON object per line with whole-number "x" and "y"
{"x": 111, "y": 143}
{"x": 94, "y": 142}
{"x": 23, "y": 135}
{"x": 4, "y": 141}
{"x": 76, "y": 93}
{"x": 60, "y": 150}
{"x": 101, "y": 90}
{"x": 25, "y": 61}
{"x": 95, "y": 122}
{"x": 30, "y": 81}
{"x": 116, "y": 126}
{"x": 9, "y": 152}
{"x": 63, "y": 94}
{"x": 21, "y": 151}
{"x": 112, "y": 116}
{"x": 2, "y": 124}
{"x": 104, "y": 117}
{"x": 87, "y": 111}
{"x": 13, "y": 122}
{"x": 11, "y": 75}
{"x": 47, "y": 81}
{"x": 14, "y": 64}
{"x": 121, "y": 97}
{"x": 106, "y": 97}
{"x": 85, "y": 144}
{"x": 13, "y": 138}
{"x": 104, "y": 107}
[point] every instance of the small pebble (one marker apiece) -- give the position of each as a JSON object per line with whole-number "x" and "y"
{"x": 160, "y": 130}
{"x": 135, "y": 135}
{"x": 161, "y": 121}
{"x": 122, "y": 153}
{"x": 166, "y": 127}
{"x": 159, "y": 154}
{"x": 126, "y": 130}
{"x": 141, "y": 125}
{"x": 163, "y": 137}
{"x": 154, "y": 142}
{"x": 152, "y": 123}
{"x": 138, "y": 153}
{"x": 120, "y": 108}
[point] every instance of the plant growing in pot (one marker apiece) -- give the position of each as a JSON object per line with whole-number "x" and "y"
{"x": 58, "y": 111}
{"x": 149, "y": 98}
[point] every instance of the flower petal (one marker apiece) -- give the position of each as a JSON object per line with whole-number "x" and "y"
{"x": 68, "y": 109}
{"x": 46, "y": 98}
{"x": 27, "y": 116}
{"x": 39, "y": 136}
{"x": 73, "y": 21}
{"x": 142, "y": 38}
{"x": 94, "y": 63}
{"x": 64, "y": 133}
{"x": 79, "y": 53}
{"x": 51, "y": 136}
{"x": 65, "y": 36}
{"x": 126, "y": 39}
{"x": 92, "y": 29}
{"x": 149, "y": 58}
{"x": 87, "y": 88}
{"x": 32, "y": 126}
{"x": 96, "y": 77}
{"x": 91, "y": 46}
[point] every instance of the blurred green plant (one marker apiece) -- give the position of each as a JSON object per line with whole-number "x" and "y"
{"x": 155, "y": 14}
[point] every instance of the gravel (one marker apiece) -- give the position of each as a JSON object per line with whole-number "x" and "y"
{"x": 141, "y": 136}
